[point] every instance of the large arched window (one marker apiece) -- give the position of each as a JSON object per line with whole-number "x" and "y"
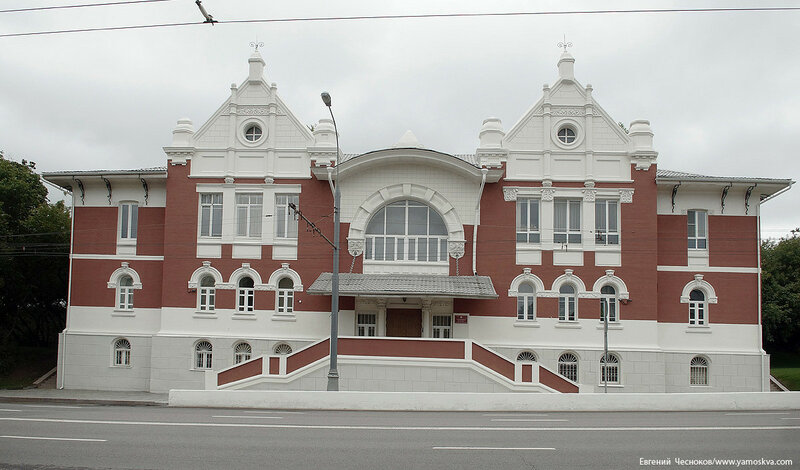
{"x": 608, "y": 304}
{"x": 567, "y": 303}
{"x": 285, "y": 297}
{"x": 526, "y": 302}
{"x": 697, "y": 307}
{"x": 245, "y": 295}
{"x": 406, "y": 231}
{"x": 206, "y": 294}
{"x": 568, "y": 366}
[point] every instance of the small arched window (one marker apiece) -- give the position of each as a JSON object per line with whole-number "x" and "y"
{"x": 568, "y": 366}
{"x": 285, "y": 297}
{"x": 406, "y": 231}
{"x": 608, "y": 304}
{"x": 697, "y": 308}
{"x": 206, "y": 294}
{"x": 202, "y": 355}
{"x": 122, "y": 352}
{"x": 526, "y": 356}
{"x": 526, "y": 302}
{"x": 242, "y": 352}
{"x": 283, "y": 349}
{"x": 698, "y": 371}
{"x": 609, "y": 370}
{"x": 245, "y": 295}
{"x": 125, "y": 293}
{"x": 567, "y": 303}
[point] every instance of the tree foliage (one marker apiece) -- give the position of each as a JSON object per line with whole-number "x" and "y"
{"x": 780, "y": 293}
{"x": 34, "y": 249}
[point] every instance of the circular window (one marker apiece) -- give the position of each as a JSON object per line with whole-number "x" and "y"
{"x": 253, "y": 133}
{"x": 567, "y": 135}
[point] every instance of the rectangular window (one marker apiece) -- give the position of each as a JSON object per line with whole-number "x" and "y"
{"x": 285, "y": 220}
{"x": 442, "y": 326}
{"x": 528, "y": 230}
{"x": 248, "y": 215}
{"x": 698, "y": 232}
{"x": 366, "y": 324}
{"x": 211, "y": 215}
{"x": 128, "y": 220}
{"x": 567, "y": 221}
{"x": 606, "y": 222}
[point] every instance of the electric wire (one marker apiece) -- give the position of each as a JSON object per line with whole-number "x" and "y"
{"x": 82, "y": 5}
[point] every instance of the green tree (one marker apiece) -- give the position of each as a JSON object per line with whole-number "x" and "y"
{"x": 780, "y": 293}
{"x": 34, "y": 249}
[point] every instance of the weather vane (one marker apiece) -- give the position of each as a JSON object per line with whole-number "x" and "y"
{"x": 257, "y": 44}
{"x": 565, "y": 44}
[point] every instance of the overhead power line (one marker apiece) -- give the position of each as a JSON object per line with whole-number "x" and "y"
{"x": 81, "y": 5}
{"x": 418, "y": 16}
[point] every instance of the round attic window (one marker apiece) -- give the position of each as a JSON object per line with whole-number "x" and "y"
{"x": 253, "y": 133}
{"x": 567, "y": 135}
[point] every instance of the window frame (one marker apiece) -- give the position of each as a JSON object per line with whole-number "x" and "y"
{"x": 365, "y": 327}
{"x": 245, "y": 296}
{"x": 566, "y": 300}
{"x": 527, "y": 357}
{"x": 605, "y": 235}
{"x": 242, "y": 352}
{"x": 609, "y": 300}
{"x": 698, "y": 308}
{"x": 527, "y": 231}
{"x": 444, "y": 330}
{"x": 203, "y": 358}
{"x": 694, "y": 238}
{"x": 124, "y": 293}
{"x": 611, "y": 371}
{"x": 571, "y": 235}
{"x": 121, "y": 355}
{"x": 526, "y": 302}
{"x": 206, "y": 295}
{"x": 406, "y": 247}
{"x": 699, "y": 372}
{"x": 211, "y": 228}
{"x": 284, "y": 295}
{"x": 128, "y": 223}
{"x": 249, "y": 214}
{"x": 286, "y": 225}
{"x": 256, "y": 135}
{"x": 568, "y": 369}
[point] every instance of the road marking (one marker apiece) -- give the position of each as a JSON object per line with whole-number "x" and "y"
{"x": 52, "y": 406}
{"x": 38, "y": 438}
{"x": 405, "y": 428}
{"x": 248, "y": 417}
{"x": 528, "y": 419}
{"x": 279, "y": 412}
{"x": 3, "y": 409}
{"x": 790, "y": 418}
{"x": 491, "y": 448}
{"x": 756, "y": 413}
{"x": 514, "y": 415}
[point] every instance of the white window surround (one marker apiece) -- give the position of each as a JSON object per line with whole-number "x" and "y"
{"x": 121, "y": 352}
{"x": 702, "y": 285}
{"x": 242, "y": 352}
{"x": 575, "y": 125}
{"x": 113, "y": 283}
{"x": 284, "y": 271}
{"x": 513, "y": 291}
{"x": 127, "y": 222}
{"x": 245, "y": 270}
{"x": 245, "y": 124}
{"x": 699, "y": 367}
{"x": 412, "y": 192}
{"x": 568, "y": 365}
{"x": 202, "y": 355}
{"x": 611, "y": 280}
{"x": 612, "y": 370}
{"x": 194, "y": 283}
{"x": 527, "y": 356}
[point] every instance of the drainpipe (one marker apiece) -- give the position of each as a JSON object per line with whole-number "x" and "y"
{"x": 62, "y": 360}
{"x": 484, "y": 171}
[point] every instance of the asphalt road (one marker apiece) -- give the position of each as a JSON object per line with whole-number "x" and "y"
{"x": 55, "y": 436}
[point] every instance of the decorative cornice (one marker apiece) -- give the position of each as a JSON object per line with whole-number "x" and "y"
{"x": 510, "y": 194}
{"x": 626, "y": 196}
{"x": 567, "y": 112}
{"x": 252, "y": 110}
{"x": 355, "y": 246}
{"x": 455, "y": 249}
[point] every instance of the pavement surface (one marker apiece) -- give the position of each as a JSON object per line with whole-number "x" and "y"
{"x": 71, "y": 436}
{"x": 94, "y": 397}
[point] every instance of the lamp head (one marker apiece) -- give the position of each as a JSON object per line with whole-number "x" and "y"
{"x": 326, "y": 98}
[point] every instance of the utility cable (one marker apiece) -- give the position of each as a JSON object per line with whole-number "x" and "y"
{"x": 82, "y": 5}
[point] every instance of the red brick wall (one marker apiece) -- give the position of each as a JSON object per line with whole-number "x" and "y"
{"x": 733, "y": 241}
{"x": 150, "y": 231}
{"x": 737, "y": 294}
{"x": 90, "y": 283}
{"x": 672, "y": 240}
{"x": 95, "y": 230}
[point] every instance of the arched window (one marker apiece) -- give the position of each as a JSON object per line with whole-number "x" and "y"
{"x": 526, "y": 302}
{"x": 283, "y": 349}
{"x": 125, "y": 293}
{"x": 567, "y": 303}
{"x": 242, "y": 352}
{"x": 526, "y": 356}
{"x": 122, "y": 352}
{"x": 206, "y": 294}
{"x": 285, "y": 297}
{"x": 608, "y": 304}
{"x": 568, "y": 366}
{"x": 245, "y": 295}
{"x": 698, "y": 371}
{"x": 406, "y": 231}
{"x": 609, "y": 372}
{"x": 202, "y": 355}
{"x": 697, "y": 308}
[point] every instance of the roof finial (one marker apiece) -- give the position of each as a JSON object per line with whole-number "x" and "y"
{"x": 565, "y": 44}
{"x": 256, "y": 44}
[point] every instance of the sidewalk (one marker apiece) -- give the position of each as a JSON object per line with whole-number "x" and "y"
{"x": 84, "y": 397}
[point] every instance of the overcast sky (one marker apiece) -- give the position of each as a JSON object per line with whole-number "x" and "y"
{"x": 721, "y": 90}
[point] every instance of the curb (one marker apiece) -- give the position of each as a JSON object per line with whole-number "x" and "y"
{"x": 81, "y": 401}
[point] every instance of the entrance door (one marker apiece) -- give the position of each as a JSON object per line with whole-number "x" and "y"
{"x": 403, "y": 322}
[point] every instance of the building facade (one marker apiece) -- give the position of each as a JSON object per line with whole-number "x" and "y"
{"x": 517, "y": 254}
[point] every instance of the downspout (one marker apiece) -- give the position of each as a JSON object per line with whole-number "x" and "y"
{"x": 484, "y": 171}
{"x": 330, "y": 180}
{"x": 62, "y": 360}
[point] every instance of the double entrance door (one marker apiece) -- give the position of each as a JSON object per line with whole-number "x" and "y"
{"x": 403, "y": 322}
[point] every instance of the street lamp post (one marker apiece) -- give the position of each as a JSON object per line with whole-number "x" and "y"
{"x": 333, "y": 373}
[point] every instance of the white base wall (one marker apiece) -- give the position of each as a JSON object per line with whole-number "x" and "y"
{"x": 86, "y": 363}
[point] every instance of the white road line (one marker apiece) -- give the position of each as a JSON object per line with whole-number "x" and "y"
{"x": 528, "y": 419}
{"x": 39, "y": 438}
{"x": 3, "y": 409}
{"x": 757, "y": 413}
{"x": 514, "y": 415}
{"x": 405, "y": 428}
{"x": 491, "y": 448}
{"x": 278, "y": 412}
{"x": 790, "y": 418}
{"x": 248, "y": 417}
{"x": 52, "y": 406}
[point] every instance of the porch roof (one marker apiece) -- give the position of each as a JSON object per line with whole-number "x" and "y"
{"x": 407, "y": 285}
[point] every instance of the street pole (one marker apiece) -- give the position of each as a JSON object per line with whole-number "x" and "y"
{"x": 333, "y": 373}
{"x": 606, "y": 307}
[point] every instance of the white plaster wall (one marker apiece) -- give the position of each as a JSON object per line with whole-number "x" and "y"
{"x": 461, "y": 193}
{"x": 710, "y": 200}
{"x": 262, "y": 323}
{"x": 530, "y": 135}
{"x": 215, "y": 135}
{"x": 726, "y": 372}
{"x": 717, "y": 337}
{"x": 606, "y": 138}
{"x": 145, "y": 321}
{"x": 88, "y": 358}
{"x": 123, "y": 188}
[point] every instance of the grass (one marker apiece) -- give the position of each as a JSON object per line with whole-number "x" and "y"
{"x": 26, "y": 365}
{"x": 786, "y": 368}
